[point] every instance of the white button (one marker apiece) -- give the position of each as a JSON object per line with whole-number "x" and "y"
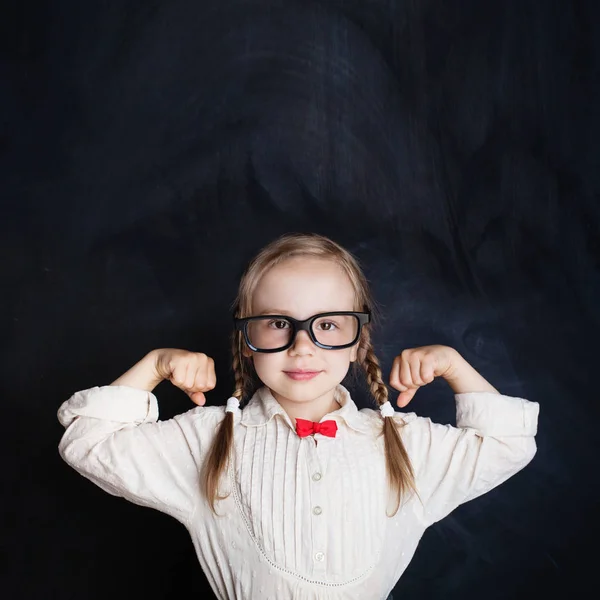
{"x": 317, "y": 510}
{"x": 316, "y": 476}
{"x": 319, "y": 556}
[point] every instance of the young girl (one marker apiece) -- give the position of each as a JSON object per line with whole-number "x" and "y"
{"x": 299, "y": 494}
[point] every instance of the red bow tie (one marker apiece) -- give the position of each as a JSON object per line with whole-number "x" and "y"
{"x": 304, "y": 427}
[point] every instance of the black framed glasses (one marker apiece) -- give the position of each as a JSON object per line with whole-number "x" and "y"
{"x": 330, "y": 330}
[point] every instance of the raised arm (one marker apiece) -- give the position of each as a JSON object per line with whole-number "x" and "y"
{"x": 192, "y": 372}
{"x": 494, "y": 437}
{"x": 144, "y": 374}
{"x": 113, "y": 436}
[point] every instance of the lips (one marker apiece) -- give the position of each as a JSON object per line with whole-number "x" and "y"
{"x": 301, "y": 374}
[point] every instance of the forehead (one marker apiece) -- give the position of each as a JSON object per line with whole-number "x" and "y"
{"x": 301, "y": 287}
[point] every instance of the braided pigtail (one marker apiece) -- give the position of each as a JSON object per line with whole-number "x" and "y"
{"x": 399, "y": 468}
{"x": 219, "y": 455}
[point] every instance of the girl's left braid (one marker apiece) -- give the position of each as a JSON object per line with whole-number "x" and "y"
{"x": 372, "y": 370}
{"x": 398, "y": 465}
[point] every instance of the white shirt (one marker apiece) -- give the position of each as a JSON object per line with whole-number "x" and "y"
{"x": 305, "y": 518}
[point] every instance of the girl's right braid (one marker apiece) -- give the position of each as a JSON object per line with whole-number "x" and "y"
{"x": 238, "y": 372}
{"x": 220, "y": 451}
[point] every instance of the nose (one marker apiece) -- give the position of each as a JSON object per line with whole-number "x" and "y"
{"x": 302, "y": 344}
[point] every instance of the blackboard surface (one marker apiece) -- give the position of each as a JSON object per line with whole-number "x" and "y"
{"x": 148, "y": 149}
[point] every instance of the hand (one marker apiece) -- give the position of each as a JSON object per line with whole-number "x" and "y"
{"x": 192, "y": 372}
{"x": 416, "y": 367}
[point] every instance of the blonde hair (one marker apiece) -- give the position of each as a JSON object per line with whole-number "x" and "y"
{"x": 399, "y": 469}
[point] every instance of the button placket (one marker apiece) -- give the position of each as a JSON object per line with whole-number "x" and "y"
{"x": 317, "y": 510}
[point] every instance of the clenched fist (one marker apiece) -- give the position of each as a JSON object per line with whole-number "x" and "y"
{"x": 192, "y": 372}
{"x": 417, "y": 367}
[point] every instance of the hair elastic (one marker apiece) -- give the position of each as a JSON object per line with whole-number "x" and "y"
{"x": 387, "y": 410}
{"x": 233, "y": 405}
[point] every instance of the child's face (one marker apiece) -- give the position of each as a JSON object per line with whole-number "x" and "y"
{"x": 302, "y": 287}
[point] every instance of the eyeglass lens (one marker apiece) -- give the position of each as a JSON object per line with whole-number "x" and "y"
{"x": 269, "y": 333}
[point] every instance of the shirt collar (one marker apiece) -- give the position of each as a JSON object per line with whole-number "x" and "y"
{"x": 263, "y": 406}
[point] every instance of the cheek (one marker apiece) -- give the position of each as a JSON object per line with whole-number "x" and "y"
{"x": 266, "y": 365}
{"x": 337, "y": 362}
{"x": 343, "y": 361}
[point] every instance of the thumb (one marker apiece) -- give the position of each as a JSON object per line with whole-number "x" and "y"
{"x": 405, "y": 397}
{"x": 198, "y": 398}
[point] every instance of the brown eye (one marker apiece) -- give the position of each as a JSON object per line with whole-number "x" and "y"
{"x": 279, "y": 324}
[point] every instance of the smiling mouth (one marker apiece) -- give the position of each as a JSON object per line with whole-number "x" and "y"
{"x": 301, "y": 375}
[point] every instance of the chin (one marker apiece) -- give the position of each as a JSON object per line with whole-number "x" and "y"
{"x": 305, "y": 391}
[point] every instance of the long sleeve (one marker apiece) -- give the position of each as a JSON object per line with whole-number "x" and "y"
{"x": 113, "y": 438}
{"x": 493, "y": 440}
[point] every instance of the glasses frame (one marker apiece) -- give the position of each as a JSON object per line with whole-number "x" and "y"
{"x": 241, "y": 324}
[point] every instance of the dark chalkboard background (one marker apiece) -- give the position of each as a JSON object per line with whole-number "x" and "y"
{"x": 149, "y": 148}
